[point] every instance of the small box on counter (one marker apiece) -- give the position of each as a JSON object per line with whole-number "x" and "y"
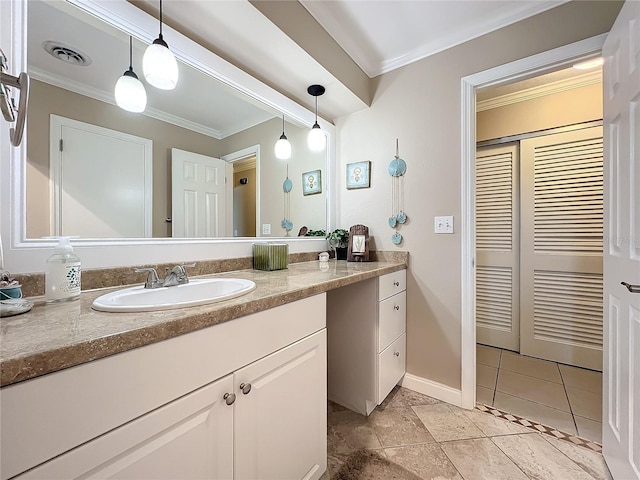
{"x": 270, "y": 256}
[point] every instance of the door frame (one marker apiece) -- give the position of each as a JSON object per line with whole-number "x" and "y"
{"x": 230, "y": 158}
{"x": 503, "y": 74}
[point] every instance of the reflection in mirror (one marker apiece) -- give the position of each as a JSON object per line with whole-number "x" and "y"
{"x": 97, "y": 171}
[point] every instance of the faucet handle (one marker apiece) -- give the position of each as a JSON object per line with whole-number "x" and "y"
{"x": 152, "y": 278}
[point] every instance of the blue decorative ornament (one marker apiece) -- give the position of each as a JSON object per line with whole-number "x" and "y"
{"x": 396, "y": 238}
{"x": 287, "y": 185}
{"x": 397, "y": 167}
{"x": 392, "y": 222}
{"x": 402, "y": 217}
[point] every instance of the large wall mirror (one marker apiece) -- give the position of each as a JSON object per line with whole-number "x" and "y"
{"x": 110, "y": 177}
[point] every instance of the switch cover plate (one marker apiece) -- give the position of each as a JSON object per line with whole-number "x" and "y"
{"x": 266, "y": 229}
{"x": 443, "y": 224}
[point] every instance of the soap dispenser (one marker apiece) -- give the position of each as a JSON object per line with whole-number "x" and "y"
{"x": 62, "y": 273}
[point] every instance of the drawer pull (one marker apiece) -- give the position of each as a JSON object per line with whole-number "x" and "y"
{"x": 229, "y": 398}
{"x": 397, "y": 354}
{"x": 397, "y": 307}
{"x": 396, "y": 284}
{"x": 245, "y": 387}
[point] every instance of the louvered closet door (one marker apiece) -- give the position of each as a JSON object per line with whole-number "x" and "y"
{"x": 561, "y": 248}
{"x": 497, "y": 275}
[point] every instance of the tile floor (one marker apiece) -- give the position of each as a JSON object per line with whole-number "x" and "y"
{"x": 564, "y": 397}
{"x": 412, "y": 436}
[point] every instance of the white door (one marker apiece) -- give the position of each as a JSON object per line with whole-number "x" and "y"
{"x": 561, "y": 247}
{"x": 281, "y": 414}
{"x": 498, "y": 247}
{"x": 189, "y": 438}
{"x": 101, "y": 181}
{"x": 621, "y": 376}
{"x": 198, "y": 195}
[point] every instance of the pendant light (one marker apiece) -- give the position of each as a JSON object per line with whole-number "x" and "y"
{"x": 283, "y": 146}
{"x": 129, "y": 92}
{"x": 316, "y": 139}
{"x": 159, "y": 64}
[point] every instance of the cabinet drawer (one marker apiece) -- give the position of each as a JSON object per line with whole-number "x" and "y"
{"x": 392, "y": 283}
{"x": 391, "y": 366}
{"x": 392, "y": 319}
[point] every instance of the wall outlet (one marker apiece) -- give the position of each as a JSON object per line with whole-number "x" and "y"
{"x": 266, "y": 229}
{"x": 443, "y": 224}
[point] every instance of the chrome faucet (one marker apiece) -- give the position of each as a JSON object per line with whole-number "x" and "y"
{"x": 177, "y": 276}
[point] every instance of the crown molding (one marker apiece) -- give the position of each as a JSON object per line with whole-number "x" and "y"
{"x": 107, "y": 97}
{"x": 579, "y": 81}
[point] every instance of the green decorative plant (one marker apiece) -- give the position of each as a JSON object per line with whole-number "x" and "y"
{"x": 315, "y": 233}
{"x": 339, "y": 238}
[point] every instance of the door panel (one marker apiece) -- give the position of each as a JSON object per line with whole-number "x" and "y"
{"x": 198, "y": 195}
{"x": 621, "y": 375}
{"x": 281, "y": 421}
{"x": 497, "y": 252}
{"x": 561, "y": 247}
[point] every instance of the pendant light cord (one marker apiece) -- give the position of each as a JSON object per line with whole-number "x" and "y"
{"x": 316, "y": 109}
{"x": 130, "y": 53}
{"x": 160, "y": 18}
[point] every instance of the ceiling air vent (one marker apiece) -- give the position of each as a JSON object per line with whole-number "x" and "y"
{"x": 67, "y": 54}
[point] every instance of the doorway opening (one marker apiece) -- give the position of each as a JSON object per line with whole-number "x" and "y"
{"x": 523, "y": 69}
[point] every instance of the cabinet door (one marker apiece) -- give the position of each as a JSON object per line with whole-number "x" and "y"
{"x": 281, "y": 420}
{"x": 189, "y": 438}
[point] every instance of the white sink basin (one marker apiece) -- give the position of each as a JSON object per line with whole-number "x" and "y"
{"x": 196, "y": 292}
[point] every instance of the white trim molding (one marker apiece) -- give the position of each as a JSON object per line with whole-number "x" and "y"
{"x": 585, "y": 80}
{"x": 527, "y": 67}
{"x": 432, "y": 389}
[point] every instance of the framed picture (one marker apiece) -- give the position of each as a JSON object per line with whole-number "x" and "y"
{"x": 358, "y": 175}
{"x": 312, "y": 182}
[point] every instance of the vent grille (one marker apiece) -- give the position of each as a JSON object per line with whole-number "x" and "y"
{"x": 493, "y": 298}
{"x": 568, "y": 198}
{"x": 494, "y": 202}
{"x": 568, "y": 308}
{"x": 67, "y": 54}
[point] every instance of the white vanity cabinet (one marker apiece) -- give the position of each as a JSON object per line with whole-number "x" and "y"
{"x": 244, "y": 399}
{"x": 366, "y": 325}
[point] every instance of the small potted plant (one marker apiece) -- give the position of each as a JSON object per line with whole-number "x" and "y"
{"x": 339, "y": 240}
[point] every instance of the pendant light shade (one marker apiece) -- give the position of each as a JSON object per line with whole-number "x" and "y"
{"x": 282, "y": 149}
{"x": 316, "y": 140}
{"x": 129, "y": 92}
{"x": 159, "y": 65}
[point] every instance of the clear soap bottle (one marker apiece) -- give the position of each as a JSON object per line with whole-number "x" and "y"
{"x": 62, "y": 273}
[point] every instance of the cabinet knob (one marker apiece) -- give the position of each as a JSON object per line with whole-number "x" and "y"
{"x": 397, "y": 354}
{"x": 229, "y": 398}
{"x": 397, "y": 307}
{"x": 396, "y": 284}
{"x": 245, "y": 387}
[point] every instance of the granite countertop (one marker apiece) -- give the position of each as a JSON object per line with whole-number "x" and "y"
{"x": 52, "y": 337}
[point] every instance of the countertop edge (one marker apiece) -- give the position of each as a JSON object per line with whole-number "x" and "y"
{"x": 33, "y": 365}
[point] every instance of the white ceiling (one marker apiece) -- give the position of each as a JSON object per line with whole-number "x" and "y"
{"x": 382, "y": 35}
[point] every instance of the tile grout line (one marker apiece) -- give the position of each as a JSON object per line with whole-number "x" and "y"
{"x": 507, "y": 455}
{"x": 564, "y": 386}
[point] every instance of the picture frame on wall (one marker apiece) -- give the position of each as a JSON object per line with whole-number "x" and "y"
{"x": 312, "y": 182}
{"x": 358, "y": 175}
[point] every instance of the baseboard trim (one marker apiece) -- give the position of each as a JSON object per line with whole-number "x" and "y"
{"x": 433, "y": 389}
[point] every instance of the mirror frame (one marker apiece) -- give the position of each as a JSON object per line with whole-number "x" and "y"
{"x": 23, "y": 255}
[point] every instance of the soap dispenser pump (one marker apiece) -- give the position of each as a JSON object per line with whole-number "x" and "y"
{"x": 62, "y": 273}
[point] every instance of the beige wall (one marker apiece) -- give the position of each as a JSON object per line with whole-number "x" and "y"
{"x": 244, "y": 204}
{"x": 565, "y": 108}
{"x": 420, "y": 105}
{"x": 46, "y": 99}
{"x": 305, "y": 210}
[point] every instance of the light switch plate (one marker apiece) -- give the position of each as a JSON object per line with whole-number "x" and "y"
{"x": 443, "y": 224}
{"x": 266, "y": 229}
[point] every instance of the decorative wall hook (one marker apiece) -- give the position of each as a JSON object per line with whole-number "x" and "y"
{"x": 7, "y": 105}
